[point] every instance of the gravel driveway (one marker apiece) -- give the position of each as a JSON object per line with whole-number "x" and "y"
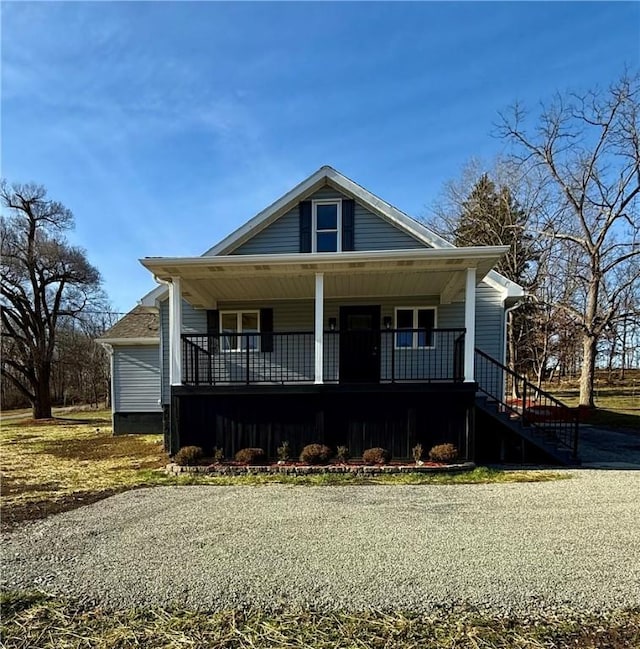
{"x": 511, "y": 546}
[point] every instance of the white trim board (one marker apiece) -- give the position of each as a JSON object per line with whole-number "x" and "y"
{"x": 128, "y": 341}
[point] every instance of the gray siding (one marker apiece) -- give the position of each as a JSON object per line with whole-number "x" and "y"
{"x": 490, "y": 333}
{"x": 371, "y": 232}
{"x": 136, "y": 378}
{"x": 489, "y": 321}
{"x": 193, "y": 321}
{"x": 374, "y": 233}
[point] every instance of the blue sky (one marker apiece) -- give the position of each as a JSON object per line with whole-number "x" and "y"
{"x": 165, "y": 126}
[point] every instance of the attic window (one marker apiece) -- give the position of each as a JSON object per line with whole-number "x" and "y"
{"x": 327, "y": 222}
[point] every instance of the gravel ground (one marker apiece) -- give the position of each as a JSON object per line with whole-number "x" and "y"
{"x": 514, "y": 547}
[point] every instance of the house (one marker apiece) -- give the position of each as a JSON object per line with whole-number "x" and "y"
{"x": 330, "y": 316}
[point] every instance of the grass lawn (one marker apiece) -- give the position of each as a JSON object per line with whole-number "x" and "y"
{"x": 617, "y": 403}
{"x": 56, "y": 465}
{"x": 38, "y": 621}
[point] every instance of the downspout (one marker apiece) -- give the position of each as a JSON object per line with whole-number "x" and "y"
{"x": 507, "y": 311}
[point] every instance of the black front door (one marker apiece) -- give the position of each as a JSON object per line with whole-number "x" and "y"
{"x": 359, "y": 344}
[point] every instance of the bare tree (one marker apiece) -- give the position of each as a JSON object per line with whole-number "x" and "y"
{"x": 586, "y": 148}
{"x": 42, "y": 280}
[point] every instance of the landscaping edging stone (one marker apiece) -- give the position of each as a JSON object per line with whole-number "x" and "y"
{"x": 353, "y": 469}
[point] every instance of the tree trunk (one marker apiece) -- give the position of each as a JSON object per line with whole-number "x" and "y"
{"x": 41, "y": 406}
{"x": 589, "y": 343}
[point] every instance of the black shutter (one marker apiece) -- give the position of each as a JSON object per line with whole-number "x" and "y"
{"x": 266, "y": 330}
{"x": 348, "y": 208}
{"x": 305, "y": 226}
{"x": 213, "y": 327}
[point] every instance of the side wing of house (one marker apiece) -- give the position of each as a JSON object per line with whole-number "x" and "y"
{"x": 136, "y": 389}
{"x": 136, "y": 366}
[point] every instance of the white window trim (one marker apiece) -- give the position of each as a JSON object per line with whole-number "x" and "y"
{"x": 414, "y": 341}
{"x": 314, "y": 222}
{"x": 239, "y": 315}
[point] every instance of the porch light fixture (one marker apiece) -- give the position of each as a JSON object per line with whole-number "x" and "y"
{"x": 387, "y": 322}
{"x": 332, "y": 324}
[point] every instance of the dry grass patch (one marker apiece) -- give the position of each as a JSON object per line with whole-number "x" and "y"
{"x": 36, "y": 621}
{"x": 48, "y": 466}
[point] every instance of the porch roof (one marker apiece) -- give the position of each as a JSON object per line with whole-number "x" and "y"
{"x": 401, "y": 273}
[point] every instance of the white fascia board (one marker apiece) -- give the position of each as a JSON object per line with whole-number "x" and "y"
{"x": 508, "y": 288}
{"x": 128, "y": 341}
{"x": 152, "y": 297}
{"x": 154, "y": 264}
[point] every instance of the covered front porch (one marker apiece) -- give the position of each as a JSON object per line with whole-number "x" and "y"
{"x": 372, "y": 317}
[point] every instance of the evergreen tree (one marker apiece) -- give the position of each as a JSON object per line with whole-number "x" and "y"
{"x": 491, "y": 216}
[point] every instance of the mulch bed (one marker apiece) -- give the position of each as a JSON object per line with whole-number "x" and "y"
{"x": 300, "y": 468}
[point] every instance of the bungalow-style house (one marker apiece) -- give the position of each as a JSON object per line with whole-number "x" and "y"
{"x": 331, "y": 316}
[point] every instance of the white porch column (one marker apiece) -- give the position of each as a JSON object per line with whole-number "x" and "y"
{"x": 319, "y": 328}
{"x": 470, "y": 325}
{"x": 175, "y": 330}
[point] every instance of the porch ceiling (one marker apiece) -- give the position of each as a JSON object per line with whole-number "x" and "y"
{"x": 207, "y": 280}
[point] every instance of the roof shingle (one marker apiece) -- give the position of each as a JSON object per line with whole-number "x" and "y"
{"x": 140, "y": 322}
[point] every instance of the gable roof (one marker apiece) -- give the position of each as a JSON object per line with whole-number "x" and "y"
{"x": 141, "y": 325}
{"x": 328, "y": 176}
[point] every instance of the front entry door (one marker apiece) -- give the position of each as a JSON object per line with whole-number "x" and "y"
{"x": 359, "y": 344}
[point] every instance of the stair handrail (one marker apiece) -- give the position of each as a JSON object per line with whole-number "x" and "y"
{"x": 569, "y": 415}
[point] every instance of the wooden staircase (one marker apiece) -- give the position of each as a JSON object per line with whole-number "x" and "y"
{"x": 534, "y": 415}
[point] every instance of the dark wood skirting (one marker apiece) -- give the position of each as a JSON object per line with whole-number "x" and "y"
{"x": 359, "y": 416}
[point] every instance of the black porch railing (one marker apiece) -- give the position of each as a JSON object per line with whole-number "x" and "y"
{"x": 422, "y": 355}
{"x": 214, "y": 359}
{"x": 535, "y": 408}
{"x": 388, "y": 356}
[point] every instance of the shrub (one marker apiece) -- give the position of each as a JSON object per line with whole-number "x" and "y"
{"x": 342, "y": 453}
{"x": 443, "y": 453}
{"x": 283, "y": 452}
{"x": 251, "y": 456}
{"x": 418, "y": 452}
{"x": 376, "y": 455}
{"x": 188, "y": 455}
{"x": 218, "y": 455}
{"x": 316, "y": 454}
